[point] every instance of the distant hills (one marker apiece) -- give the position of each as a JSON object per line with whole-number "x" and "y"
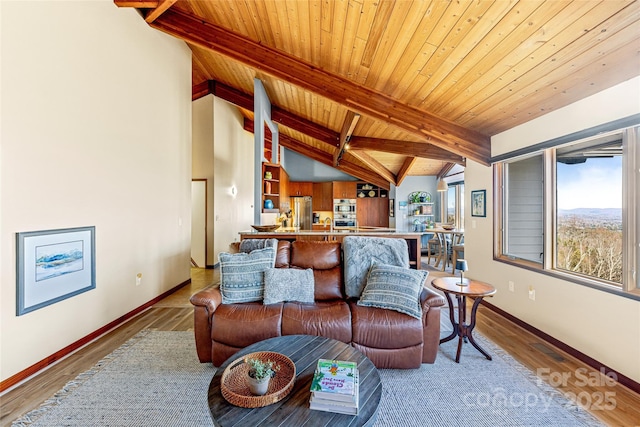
{"x": 604, "y": 213}
{"x": 608, "y": 218}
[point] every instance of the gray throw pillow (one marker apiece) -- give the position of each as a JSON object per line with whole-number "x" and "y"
{"x": 394, "y": 288}
{"x": 288, "y": 284}
{"x": 242, "y": 275}
{"x": 248, "y": 245}
{"x": 360, "y": 252}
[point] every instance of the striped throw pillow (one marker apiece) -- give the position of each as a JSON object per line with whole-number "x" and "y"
{"x": 242, "y": 275}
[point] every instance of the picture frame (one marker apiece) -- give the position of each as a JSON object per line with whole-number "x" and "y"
{"x": 392, "y": 204}
{"x": 53, "y": 265}
{"x": 479, "y": 203}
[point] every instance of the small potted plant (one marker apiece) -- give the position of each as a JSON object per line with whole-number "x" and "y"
{"x": 259, "y": 374}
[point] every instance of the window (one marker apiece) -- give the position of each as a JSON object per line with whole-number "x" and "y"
{"x": 569, "y": 208}
{"x": 523, "y": 230}
{"x": 589, "y": 209}
{"x": 453, "y": 199}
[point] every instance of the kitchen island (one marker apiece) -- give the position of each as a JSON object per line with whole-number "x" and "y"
{"x": 292, "y": 234}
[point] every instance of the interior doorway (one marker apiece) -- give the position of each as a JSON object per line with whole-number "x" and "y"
{"x": 199, "y": 222}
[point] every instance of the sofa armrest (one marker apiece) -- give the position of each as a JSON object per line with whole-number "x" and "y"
{"x": 209, "y": 298}
{"x": 429, "y": 298}
{"x": 205, "y": 303}
{"x": 431, "y": 303}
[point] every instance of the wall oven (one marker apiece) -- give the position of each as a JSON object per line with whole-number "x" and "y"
{"x": 344, "y": 212}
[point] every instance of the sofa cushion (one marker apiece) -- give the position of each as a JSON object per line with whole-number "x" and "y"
{"x": 384, "y": 329}
{"x": 394, "y": 288}
{"x": 241, "y": 275}
{"x": 325, "y": 260}
{"x": 331, "y": 319}
{"x": 288, "y": 284}
{"x": 359, "y": 254}
{"x": 283, "y": 254}
{"x": 240, "y": 325}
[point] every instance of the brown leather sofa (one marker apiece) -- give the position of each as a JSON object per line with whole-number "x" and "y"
{"x": 389, "y": 338}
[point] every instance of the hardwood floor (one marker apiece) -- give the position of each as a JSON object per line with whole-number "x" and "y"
{"x": 619, "y": 405}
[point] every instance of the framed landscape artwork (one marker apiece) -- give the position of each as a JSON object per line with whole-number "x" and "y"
{"x": 53, "y": 265}
{"x": 478, "y": 203}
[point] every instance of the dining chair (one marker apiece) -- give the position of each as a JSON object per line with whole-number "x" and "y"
{"x": 457, "y": 251}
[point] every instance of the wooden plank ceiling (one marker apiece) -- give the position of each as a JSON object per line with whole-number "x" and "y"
{"x": 384, "y": 89}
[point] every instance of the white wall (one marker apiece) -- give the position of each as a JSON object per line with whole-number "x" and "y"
{"x": 409, "y": 185}
{"x": 203, "y": 162}
{"x": 233, "y": 167}
{"x": 223, "y": 154}
{"x": 599, "y": 324}
{"x": 95, "y": 130}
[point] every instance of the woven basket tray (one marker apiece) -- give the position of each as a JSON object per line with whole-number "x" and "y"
{"x": 234, "y": 386}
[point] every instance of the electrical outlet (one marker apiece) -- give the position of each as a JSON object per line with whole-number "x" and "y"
{"x": 138, "y": 279}
{"x": 532, "y": 293}
{"x": 511, "y": 286}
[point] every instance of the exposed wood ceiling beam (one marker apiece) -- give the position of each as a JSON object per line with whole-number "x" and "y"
{"x": 445, "y": 170}
{"x": 404, "y": 169}
{"x": 138, "y": 4}
{"x": 374, "y": 165}
{"x": 325, "y": 158}
{"x": 408, "y": 148}
{"x": 285, "y": 118}
{"x": 427, "y": 126}
{"x": 278, "y": 115}
{"x": 200, "y": 90}
{"x": 162, "y": 7}
{"x": 349, "y": 124}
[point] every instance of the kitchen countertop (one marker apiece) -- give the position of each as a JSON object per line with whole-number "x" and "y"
{"x": 294, "y": 234}
{"x": 338, "y": 230}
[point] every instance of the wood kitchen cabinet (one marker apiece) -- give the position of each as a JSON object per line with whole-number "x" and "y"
{"x": 344, "y": 189}
{"x": 372, "y": 212}
{"x": 322, "y": 196}
{"x": 297, "y": 188}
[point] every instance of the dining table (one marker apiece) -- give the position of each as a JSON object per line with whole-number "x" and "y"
{"x": 456, "y": 237}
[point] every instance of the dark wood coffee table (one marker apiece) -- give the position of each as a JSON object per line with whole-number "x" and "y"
{"x": 304, "y": 351}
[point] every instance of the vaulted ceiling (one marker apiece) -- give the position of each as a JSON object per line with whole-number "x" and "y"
{"x": 384, "y": 89}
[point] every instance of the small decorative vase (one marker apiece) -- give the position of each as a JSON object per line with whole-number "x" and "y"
{"x": 268, "y": 204}
{"x": 258, "y": 387}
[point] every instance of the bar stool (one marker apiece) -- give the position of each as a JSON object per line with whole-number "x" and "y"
{"x": 433, "y": 249}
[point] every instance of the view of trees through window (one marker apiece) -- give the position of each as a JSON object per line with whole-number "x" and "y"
{"x": 455, "y": 204}
{"x": 589, "y": 210}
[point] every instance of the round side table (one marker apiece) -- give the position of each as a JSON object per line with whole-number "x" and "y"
{"x": 473, "y": 289}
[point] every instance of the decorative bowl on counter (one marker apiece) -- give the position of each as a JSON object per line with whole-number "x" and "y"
{"x": 448, "y": 227}
{"x": 266, "y": 228}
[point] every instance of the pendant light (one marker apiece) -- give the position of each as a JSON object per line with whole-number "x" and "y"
{"x": 442, "y": 185}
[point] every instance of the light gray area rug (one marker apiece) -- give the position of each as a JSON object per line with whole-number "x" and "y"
{"x": 155, "y": 379}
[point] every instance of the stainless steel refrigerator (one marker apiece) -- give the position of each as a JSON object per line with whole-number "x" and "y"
{"x": 302, "y": 212}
